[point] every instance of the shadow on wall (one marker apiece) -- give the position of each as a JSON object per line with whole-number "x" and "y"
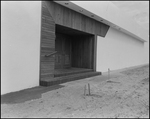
{"x": 27, "y": 94}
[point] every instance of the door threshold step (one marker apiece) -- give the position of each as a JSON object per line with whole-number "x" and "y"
{"x": 63, "y": 79}
{"x": 66, "y": 72}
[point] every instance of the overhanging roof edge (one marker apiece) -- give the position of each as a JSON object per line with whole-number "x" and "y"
{"x": 105, "y": 11}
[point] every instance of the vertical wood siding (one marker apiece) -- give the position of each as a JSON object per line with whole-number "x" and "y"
{"x": 82, "y": 51}
{"x": 47, "y": 43}
{"x": 52, "y": 14}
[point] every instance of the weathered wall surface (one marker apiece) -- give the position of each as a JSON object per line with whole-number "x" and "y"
{"x": 20, "y": 49}
{"x": 118, "y": 50}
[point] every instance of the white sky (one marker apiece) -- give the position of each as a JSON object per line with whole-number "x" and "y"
{"x": 138, "y": 10}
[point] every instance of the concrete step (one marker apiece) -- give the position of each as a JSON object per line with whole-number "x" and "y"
{"x": 63, "y": 79}
{"x": 60, "y": 73}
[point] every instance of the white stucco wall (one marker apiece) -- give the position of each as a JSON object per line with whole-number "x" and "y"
{"x": 20, "y": 48}
{"x": 118, "y": 50}
{"x": 146, "y": 52}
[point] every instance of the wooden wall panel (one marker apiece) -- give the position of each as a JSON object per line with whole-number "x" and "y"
{"x": 70, "y": 18}
{"x": 47, "y": 44}
{"x": 94, "y": 52}
{"x": 82, "y": 46}
{"x": 65, "y": 21}
{"x": 82, "y": 51}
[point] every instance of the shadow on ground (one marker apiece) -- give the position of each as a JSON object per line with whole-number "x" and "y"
{"x": 27, "y": 94}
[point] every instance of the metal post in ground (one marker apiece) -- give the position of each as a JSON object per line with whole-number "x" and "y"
{"x": 84, "y": 90}
{"x": 89, "y": 89}
{"x": 108, "y": 73}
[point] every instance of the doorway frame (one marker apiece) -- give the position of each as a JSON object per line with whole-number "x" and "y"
{"x": 94, "y": 56}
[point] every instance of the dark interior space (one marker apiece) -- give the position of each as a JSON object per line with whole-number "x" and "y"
{"x": 74, "y": 48}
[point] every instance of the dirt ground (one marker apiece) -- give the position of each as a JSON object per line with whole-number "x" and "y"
{"x": 124, "y": 94}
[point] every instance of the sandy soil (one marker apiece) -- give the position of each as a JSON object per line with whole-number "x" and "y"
{"x": 125, "y": 94}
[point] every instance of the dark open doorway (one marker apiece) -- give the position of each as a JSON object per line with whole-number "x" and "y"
{"x": 74, "y": 48}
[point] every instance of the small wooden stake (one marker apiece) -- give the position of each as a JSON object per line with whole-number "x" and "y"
{"x": 85, "y": 90}
{"x": 108, "y": 73}
{"x": 89, "y": 89}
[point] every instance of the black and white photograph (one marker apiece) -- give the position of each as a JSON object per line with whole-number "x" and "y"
{"x": 75, "y": 59}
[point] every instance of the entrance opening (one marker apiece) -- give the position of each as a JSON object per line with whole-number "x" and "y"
{"x": 75, "y": 49}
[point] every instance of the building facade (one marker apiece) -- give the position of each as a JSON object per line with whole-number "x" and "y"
{"x": 43, "y": 39}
